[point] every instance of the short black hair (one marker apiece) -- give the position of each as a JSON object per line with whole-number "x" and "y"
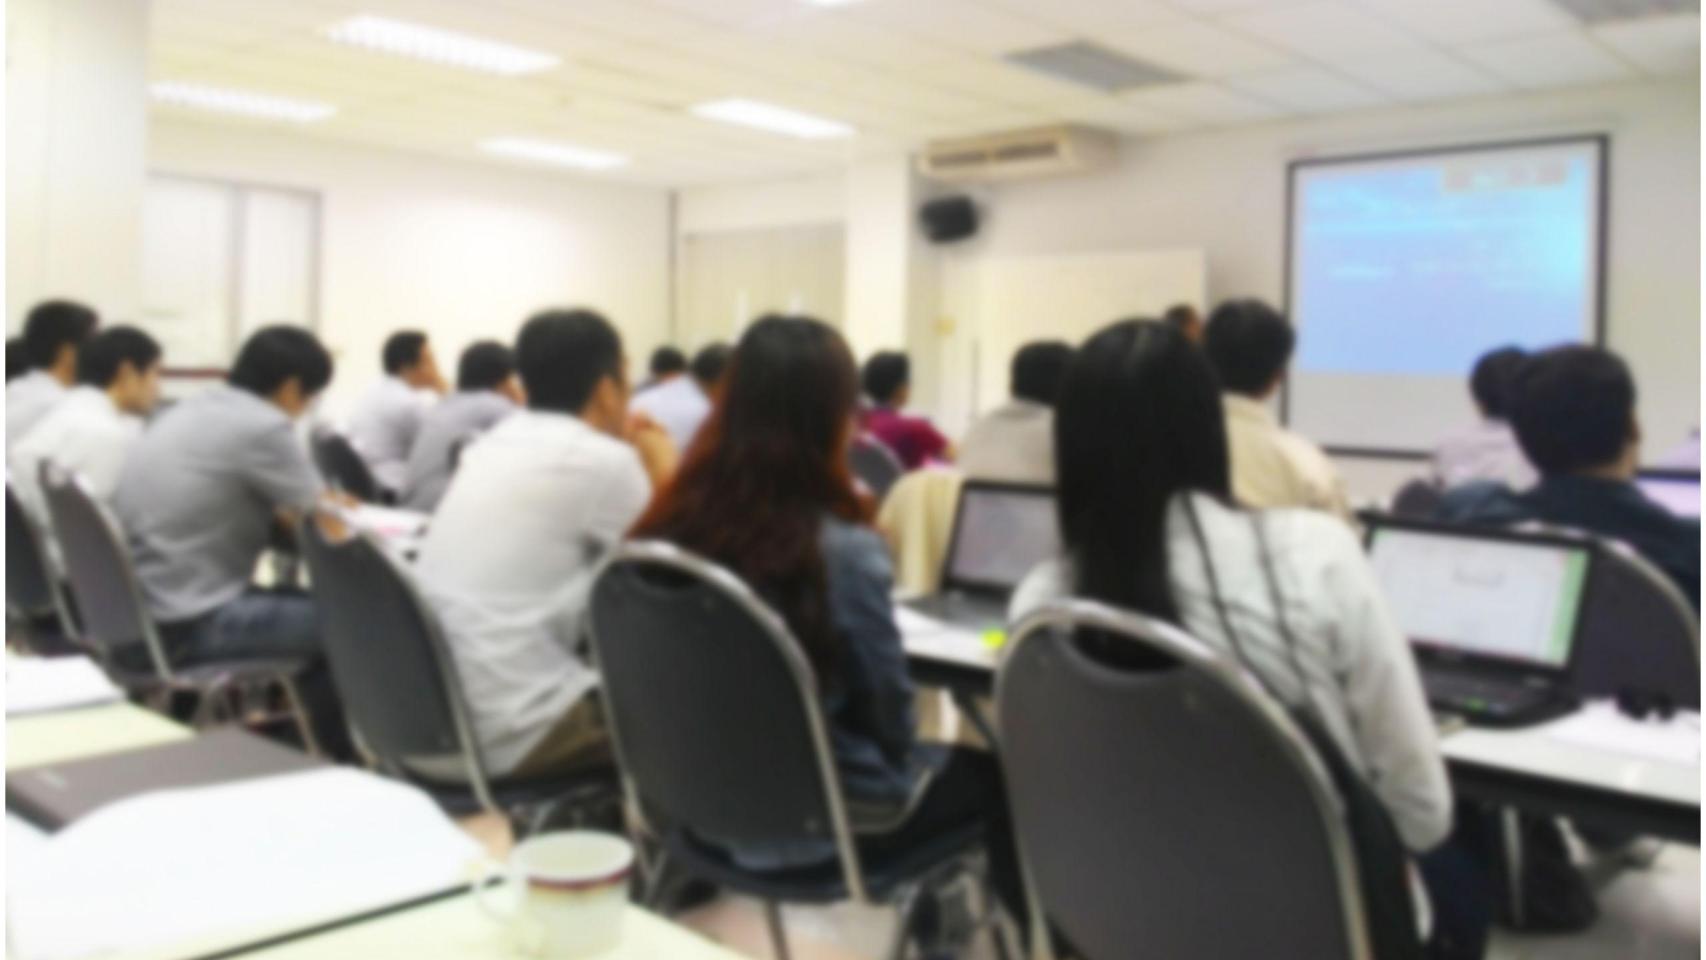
{"x": 1573, "y": 408}
{"x": 1248, "y": 343}
{"x": 54, "y": 324}
{"x": 1182, "y": 316}
{"x": 1039, "y": 368}
{"x": 884, "y": 374}
{"x": 484, "y": 366}
{"x": 667, "y": 360}
{"x": 710, "y": 362}
{"x": 1490, "y": 382}
{"x": 273, "y": 355}
{"x": 563, "y": 355}
{"x": 100, "y": 359}
{"x": 16, "y": 363}
{"x": 402, "y": 350}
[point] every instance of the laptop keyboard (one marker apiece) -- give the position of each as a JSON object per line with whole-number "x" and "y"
{"x": 1480, "y": 696}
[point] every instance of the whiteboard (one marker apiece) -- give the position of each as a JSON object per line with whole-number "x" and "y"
{"x": 994, "y": 305}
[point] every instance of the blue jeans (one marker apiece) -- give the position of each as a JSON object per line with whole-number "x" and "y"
{"x": 259, "y": 625}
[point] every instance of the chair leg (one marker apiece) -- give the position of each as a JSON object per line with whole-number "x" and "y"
{"x": 1510, "y": 830}
{"x": 778, "y": 935}
{"x": 299, "y": 711}
{"x": 905, "y": 915}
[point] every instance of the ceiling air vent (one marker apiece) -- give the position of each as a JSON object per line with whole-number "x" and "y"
{"x": 1099, "y": 68}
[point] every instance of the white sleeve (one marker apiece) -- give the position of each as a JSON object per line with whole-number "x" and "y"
{"x": 1389, "y": 714}
{"x": 625, "y": 492}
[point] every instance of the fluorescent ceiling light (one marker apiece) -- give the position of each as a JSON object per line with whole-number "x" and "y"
{"x": 562, "y": 154}
{"x": 439, "y": 46}
{"x": 240, "y": 101}
{"x": 768, "y": 116}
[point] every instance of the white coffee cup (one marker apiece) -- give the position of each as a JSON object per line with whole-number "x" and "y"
{"x": 567, "y": 891}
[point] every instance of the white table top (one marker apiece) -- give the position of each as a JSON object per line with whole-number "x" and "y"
{"x": 927, "y": 638}
{"x": 1541, "y": 752}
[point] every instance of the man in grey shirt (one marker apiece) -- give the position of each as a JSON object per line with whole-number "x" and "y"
{"x": 200, "y": 494}
{"x": 388, "y": 419}
{"x": 487, "y": 391}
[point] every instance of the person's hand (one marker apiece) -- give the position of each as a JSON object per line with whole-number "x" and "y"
{"x": 338, "y": 498}
{"x": 657, "y": 451}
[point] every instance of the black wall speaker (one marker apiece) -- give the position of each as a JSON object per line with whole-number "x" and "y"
{"x": 948, "y": 219}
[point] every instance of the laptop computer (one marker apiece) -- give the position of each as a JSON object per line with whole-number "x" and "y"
{"x": 1493, "y": 616}
{"x": 1001, "y": 532}
{"x": 1676, "y": 490}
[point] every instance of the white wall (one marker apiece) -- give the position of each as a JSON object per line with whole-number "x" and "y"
{"x": 76, "y": 108}
{"x": 464, "y": 251}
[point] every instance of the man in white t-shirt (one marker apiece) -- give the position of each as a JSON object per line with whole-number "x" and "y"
{"x": 1488, "y": 450}
{"x": 52, "y": 334}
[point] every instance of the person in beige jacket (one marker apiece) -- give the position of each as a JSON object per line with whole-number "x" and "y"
{"x": 1249, "y": 344}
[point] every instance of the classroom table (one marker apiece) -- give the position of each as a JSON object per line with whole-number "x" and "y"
{"x": 56, "y": 737}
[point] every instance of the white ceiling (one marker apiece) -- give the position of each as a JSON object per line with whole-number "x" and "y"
{"x": 901, "y": 71}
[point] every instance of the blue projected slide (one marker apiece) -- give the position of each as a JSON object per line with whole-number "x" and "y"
{"x": 1418, "y": 264}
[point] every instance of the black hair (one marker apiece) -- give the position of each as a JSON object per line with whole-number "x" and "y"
{"x": 1182, "y": 316}
{"x": 100, "y": 359}
{"x": 1139, "y": 421}
{"x": 485, "y": 366}
{"x": 885, "y": 374}
{"x": 52, "y": 325}
{"x": 1038, "y": 369}
{"x": 1573, "y": 408}
{"x": 667, "y": 360}
{"x": 402, "y": 350}
{"x": 1248, "y": 343}
{"x": 276, "y": 354}
{"x": 710, "y": 362}
{"x": 16, "y": 363}
{"x": 1490, "y": 382}
{"x": 563, "y": 355}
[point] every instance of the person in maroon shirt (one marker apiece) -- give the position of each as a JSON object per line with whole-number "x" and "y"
{"x": 887, "y": 380}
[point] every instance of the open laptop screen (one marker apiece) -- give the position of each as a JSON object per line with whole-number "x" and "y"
{"x": 1467, "y": 594}
{"x": 1677, "y": 492}
{"x": 1000, "y": 534}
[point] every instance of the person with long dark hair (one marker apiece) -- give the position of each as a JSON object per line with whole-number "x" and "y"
{"x": 766, "y": 491}
{"x": 1148, "y": 524}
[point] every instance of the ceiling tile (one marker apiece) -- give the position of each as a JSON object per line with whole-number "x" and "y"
{"x": 966, "y": 24}
{"x": 1124, "y": 116}
{"x": 1087, "y": 16}
{"x": 1197, "y": 49}
{"x": 1324, "y": 30}
{"x": 1306, "y": 89}
{"x": 1469, "y": 21}
{"x": 1424, "y": 74}
{"x": 1204, "y": 102}
{"x": 1216, "y": 7}
{"x": 1657, "y": 45}
{"x": 1555, "y": 60}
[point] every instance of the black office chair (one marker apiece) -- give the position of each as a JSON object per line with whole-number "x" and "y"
{"x": 719, "y": 733}
{"x": 116, "y": 626}
{"x": 36, "y": 609}
{"x": 1638, "y": 633}
{"x": 1172, "y": 809}
{"x": 401, "y": 693}
{"x": 343, "y": 467}
{"x": 1418, "y": 499}
{"x": 875, "y": 465}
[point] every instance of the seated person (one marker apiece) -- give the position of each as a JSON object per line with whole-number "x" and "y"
{"x": 1149, "y": 525}
{"x": 17, "y": 364}
{"x": 1185, "y": 318}
{"x": 1489, "y": 451}
{"x": 510, "y": 555}
{"x": 1014, "y": 443}
{"x": 1574, "y": 412}
{"x": 52, "y": 333}
{"x": 768, "y": 494}
{"x": 388, "y": 419}
{"x": 487, "y": 391}
{"x": 667, "y": 363}
{"x": 887, "y": 382}
{"x": 201, "y": 491}
{"x": 90, "y": 432}
{"x": 1249, "y": 344}
{"x": 680, "y": 403}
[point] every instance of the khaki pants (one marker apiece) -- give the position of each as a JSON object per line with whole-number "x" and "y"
{"x": 579, "y": 739}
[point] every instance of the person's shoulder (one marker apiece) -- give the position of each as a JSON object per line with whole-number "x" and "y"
{"x": 854, "y": 548}
{"x": 1481, "y": 501}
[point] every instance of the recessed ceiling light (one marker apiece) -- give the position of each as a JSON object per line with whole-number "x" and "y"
{"x": 768, "y": 116}
{"x": 561, "y": 154}
{"x": 240, "y": 101}
{"x": 439, "y": 46}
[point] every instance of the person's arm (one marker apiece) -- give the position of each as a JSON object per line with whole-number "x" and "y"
{"x": 276, "y": 466}
{"x": 658, "y": 455}
{"x": 931, "y": 443}
{"x": 879, "y": 688}
{"x": 1388, "y": 710}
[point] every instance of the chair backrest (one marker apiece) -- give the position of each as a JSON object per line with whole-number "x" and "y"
{"x": 343, "y": 467}
{"x": 111, "y": 612}
{"x": 1419, "y": 499}
{"x": 29, "y": 581}
{"x": 713, "y": 706}
{"x": 390, "y": 662}
{"x": 1638, "y": 632}
{"x": 875, "y": 465}
{"x": 1172, "y": 809}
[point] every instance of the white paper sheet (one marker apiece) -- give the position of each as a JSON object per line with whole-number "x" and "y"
{"x": 388, "y": 522}
{"x": 259, "y": 856}
{"x": 38, "y": 684}
{"x": 1603, "y": 727}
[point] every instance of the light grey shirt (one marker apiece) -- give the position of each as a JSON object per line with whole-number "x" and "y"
{"x": 85, "y": 434}
{"x": 198, "y": 495}
{"x": 678, "y": 405}
{"x": 1014, "y": 443}
{"x": 508, "y": 563}
{"x": 384, "y": 426}
{"x": 1488, "y": 452}
{"x": 451, "y": 425}
{"x": 1361, "y": 675}
{"x": 28, "y": 399}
